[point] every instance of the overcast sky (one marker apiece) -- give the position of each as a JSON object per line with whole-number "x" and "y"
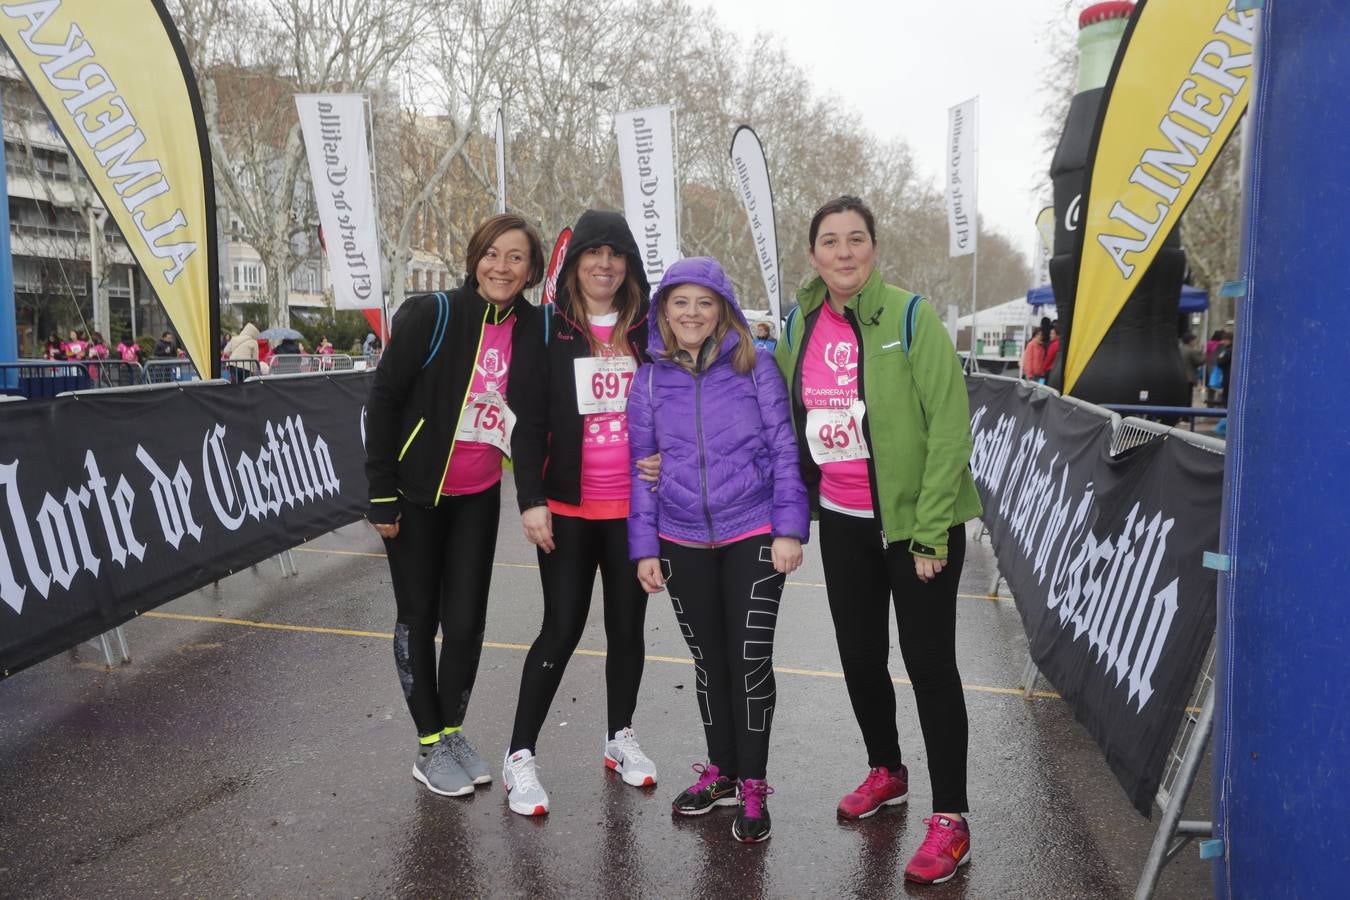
{"x": 900, "y": 65}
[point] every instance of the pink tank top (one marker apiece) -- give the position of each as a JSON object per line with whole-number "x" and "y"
{"x": 475, "y": 462}
{"x": 830, "y": 382}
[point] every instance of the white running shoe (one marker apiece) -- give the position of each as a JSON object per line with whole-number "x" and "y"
{"x": 623, "y": 755}
{"x": 524, "y": 793}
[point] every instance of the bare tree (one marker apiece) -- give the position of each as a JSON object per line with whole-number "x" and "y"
{"x": 252, "y": 56}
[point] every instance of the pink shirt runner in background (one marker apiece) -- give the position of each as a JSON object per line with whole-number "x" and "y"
{"x": 476, "y": 466}
{"x": 830, "y": 381}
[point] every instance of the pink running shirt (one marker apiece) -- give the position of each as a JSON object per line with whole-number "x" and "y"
{"x": 476, "y": 465}
{"x": 604, "y": 436}
{"x": 830, "y": 382}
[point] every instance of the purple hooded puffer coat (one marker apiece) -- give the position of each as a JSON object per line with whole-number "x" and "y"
{"x": 729, "y": 459}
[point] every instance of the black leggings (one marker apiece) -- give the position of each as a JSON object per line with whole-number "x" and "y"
{"x": 568, "y": 575}
{"x": 726, "y": 601}
{"x": 441, "y": 567}
{"x": 860, "y": 579}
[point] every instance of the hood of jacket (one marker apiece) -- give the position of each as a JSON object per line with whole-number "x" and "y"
{"x": 705, "y": 272}
{"x": 602, "y": 228}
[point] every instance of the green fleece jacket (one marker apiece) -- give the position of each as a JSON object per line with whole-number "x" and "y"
{"x": 917, "y": 423}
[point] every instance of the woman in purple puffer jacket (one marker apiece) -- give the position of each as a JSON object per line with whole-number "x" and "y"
{"x": 724, "y": 524}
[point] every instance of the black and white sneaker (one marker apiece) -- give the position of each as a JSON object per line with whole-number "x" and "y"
{"x": 711, "y": 790}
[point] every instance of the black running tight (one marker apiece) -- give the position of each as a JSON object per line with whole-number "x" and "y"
{"x": 568, "y": 575}
{"x": 726, "y": 601}
{"x": 441, "y": 567}
{"x": 860, "y": 580}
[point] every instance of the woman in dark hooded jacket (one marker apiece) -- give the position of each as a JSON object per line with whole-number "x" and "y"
{"x": 573, "y": 490}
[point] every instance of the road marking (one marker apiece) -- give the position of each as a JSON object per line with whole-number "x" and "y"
{"x": 506, "y": 565}
{"x": 503, "y": 645}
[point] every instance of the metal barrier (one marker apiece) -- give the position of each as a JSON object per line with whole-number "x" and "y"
{"x": 1192, "y": 739}
{"x": 335, "y": 362}
{"x": 160, "y": 371}
{"x": 237, "y": 371}
{"x": 1189, "y": 413}
{"x": 40, "y": 379}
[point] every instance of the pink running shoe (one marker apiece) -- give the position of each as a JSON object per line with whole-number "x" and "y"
{"x": 943, "y": 851}
{"x": 879, "y": 789}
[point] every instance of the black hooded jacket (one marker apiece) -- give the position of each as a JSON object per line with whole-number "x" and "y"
{"x": 550, "y": 468}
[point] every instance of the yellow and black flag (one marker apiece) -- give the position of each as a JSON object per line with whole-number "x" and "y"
{"x": 116, "y": 81}
{"x": 1178, "y": 88}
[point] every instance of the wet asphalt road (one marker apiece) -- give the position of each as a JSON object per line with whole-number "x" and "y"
{"x": 259, "y": 745}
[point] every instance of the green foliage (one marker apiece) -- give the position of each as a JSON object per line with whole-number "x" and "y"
{"x": 345, "y": 328}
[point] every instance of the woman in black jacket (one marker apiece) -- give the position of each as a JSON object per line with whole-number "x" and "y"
{"x": 573, "y": 486}
{"x": 440, "y": 418}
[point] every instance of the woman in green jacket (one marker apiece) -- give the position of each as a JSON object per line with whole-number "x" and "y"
{"x": 883, "y": 423}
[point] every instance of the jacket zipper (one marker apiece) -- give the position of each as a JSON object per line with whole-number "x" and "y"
{"x": 468, "y": 389}
{"x": 702, "y": 456}
{"x": 866, "y": 428}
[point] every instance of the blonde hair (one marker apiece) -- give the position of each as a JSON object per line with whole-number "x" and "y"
{"x": 627, "y": 301}
{"x": 743, "y": 360}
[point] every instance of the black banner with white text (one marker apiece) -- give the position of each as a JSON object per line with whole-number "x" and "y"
{"x": 1105, "y": 559}
{"x": 113, "y": 504}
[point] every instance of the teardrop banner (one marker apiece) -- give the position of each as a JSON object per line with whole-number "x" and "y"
{"x": 751, "y": 171}
{"x": 1177, "y": 90}
{"x": 117, "y": 84}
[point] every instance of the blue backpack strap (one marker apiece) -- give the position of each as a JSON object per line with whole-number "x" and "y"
{"x": 438, "y": 331}
{"x": 911, "y": 313}
{"x": 548, "y": 322}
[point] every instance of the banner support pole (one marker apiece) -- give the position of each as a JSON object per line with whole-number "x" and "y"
{"x": 975, "y": 256}
{"x": 9, "y": 321}
{"x": 375, "y": 199}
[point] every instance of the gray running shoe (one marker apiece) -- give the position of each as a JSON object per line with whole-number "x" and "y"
{"x": 435, "y": 767}
{"x": 468, "y": 760}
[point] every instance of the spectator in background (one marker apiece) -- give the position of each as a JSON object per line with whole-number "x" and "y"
{"x": 76, "y": 346}
{"x": 1193, "y": 357}
{"x": 128, "y": 350}
{"x": 1223, "y": 360}
{"x": 1052, "y": 349}
{"x": 166, "y": 347}
{"x": 98, "y": 348}
{"x": 325, "y": 348}
{"x": 368, "y": 345}
{"x": 53, "y": 349}
{"x": 1033, "y": 357}
{"x": 764, "y": 337}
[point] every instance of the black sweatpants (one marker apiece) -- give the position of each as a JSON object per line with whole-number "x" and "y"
{"x": 568, "y": 575}
{"x": 860, "y": 579}
{"x": 441, "y": 567}
{"x": 726, "y": 601}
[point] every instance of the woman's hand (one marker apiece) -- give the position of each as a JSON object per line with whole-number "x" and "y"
{"x": 787, "y": 554}
{"x": 649, "y": 467}
{"x": 927, "y": 569}
{"x": 538, "y": 523}
{"x": 649, "y": 573}
{"x": 388, "y": 532}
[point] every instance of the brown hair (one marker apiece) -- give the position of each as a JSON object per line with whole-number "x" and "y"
{"x": 487, "y": 235}
{"x": 845, "y": 203}
{"x": 627, "y": 301}
{"x": 744, "y": 359}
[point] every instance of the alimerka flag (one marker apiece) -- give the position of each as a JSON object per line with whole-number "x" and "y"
{"x": 116, "y": 82}
{"x": 1179, "y": 86}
